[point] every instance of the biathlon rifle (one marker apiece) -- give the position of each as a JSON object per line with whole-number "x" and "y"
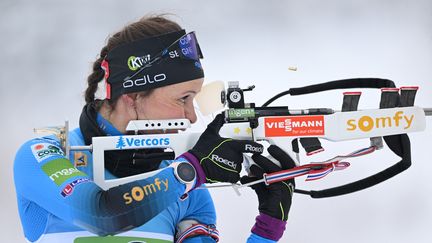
{"x": 286, "y": 128}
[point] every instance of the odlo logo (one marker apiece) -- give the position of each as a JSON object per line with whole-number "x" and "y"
{"x": 134, "y": 62}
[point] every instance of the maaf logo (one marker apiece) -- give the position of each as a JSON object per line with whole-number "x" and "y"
{"x": 368, "y": 123}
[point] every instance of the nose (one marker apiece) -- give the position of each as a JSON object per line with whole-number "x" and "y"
{"x": 190, "y": 113}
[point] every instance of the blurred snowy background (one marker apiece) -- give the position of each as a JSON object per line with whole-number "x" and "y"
{"x": 47, "y": 47}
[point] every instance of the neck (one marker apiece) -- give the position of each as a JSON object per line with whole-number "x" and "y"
{"x": 117, "y": 116}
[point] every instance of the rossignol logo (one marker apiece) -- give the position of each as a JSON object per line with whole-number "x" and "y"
{"x": 134, "y": 62}
{"x": 224, "y": 161}
{"x": 138, "y": 193}
{"x": 142, "y": 142}
{"x": 43, "y": 151}
{"x": 60, "y": 170}
{"x": 294, "y": 126}
{"x": 368, "y": 123}
{"x": 146, "y": 79}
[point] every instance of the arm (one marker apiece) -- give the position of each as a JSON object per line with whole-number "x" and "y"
{"x": 44, "y": 176}
{"x": 198, "y": 224}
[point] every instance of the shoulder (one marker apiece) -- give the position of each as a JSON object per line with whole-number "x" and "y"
{"x": 39, "y": 149}
{"x": 43, "y": 148}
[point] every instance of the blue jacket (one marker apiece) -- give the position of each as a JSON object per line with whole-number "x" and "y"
{"x": 59, "y": 202}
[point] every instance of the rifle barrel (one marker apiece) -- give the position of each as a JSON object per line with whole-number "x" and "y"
{"x": 428, "y": 111}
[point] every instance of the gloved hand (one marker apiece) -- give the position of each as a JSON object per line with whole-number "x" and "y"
{"x": 218, "y": 158}
{"x": 275, "y": 199}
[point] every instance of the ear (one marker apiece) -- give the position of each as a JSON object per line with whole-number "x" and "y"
{"x": 129, "y": 99}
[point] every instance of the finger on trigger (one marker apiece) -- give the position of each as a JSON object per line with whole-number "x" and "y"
{"x": 280, "y": 155}
{"x": 257, "y": 171}
{"x": 265, "y": 163}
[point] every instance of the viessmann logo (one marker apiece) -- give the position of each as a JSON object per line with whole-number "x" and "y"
{"x": 368, "y": 123}
{"x": 142, "y": 142}
{"x": 294, "y": 126}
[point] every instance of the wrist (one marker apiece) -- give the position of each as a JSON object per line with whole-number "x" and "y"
{"x": 200, "y": 175}
{"x": 268, "y": 227}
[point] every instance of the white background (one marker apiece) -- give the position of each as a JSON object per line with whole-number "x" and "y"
{"x": 47, "y": 47}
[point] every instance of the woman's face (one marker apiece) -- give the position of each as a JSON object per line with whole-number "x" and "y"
{"x": 169, "y": 102}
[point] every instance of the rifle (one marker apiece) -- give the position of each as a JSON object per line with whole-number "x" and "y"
{"x": 286, "y": 128}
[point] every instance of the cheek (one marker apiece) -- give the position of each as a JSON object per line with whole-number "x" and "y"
{"x": 156, "y": 109}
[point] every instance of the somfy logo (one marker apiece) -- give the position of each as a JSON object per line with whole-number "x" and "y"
{"x": 368, "y": 123}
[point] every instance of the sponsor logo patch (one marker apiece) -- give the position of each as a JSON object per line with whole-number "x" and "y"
{"x": 80, "y": 159}
{"x": 224, "y": 161}
{"x": 68, "y": 189}
{"x": 43, "y": 151}
{"x": 134, "y": 62}
{"x": 60, "y": 170}
{"x": 142, "y": 142}
{"x": 138, "y": 193}
{"x": 294, "y": 126}
{"x": 368, "y": 123}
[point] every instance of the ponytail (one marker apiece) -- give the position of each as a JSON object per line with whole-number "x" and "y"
{"x": 95, "y": 77}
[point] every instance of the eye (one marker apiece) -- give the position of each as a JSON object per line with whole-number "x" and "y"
{"x": 184, "y": 99}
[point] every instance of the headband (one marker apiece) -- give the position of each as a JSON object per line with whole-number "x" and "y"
{"x": 150, "y": 63}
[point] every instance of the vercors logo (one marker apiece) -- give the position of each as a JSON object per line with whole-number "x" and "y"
{"x": 141, "y": 142}
{"x": 294, "y": 126}
{"x": 120, "y": 143}
{"x": 367, "y": 123}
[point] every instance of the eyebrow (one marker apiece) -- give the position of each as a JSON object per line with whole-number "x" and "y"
{"x": 189, "y": 91}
